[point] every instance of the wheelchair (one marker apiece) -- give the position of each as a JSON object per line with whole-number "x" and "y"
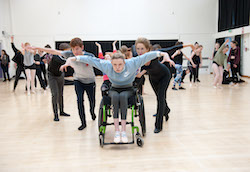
{"x": 135, "y": 103}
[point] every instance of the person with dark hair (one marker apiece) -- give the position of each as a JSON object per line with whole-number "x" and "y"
{"x": 84, "y": 78}
{"x": 218, "y": 63}
{"x": 45, "y": 59}
{"x": 56, "y": 81}
{"x": 5, "y": 60}
{"x": 18, "y": 59}
{"x": 234, "y": 59}
{"x": 178, "y": 59}
{"x": 197, "y": 45}
{"x": 193, "y": 64}
{"x": 37, "y": 59}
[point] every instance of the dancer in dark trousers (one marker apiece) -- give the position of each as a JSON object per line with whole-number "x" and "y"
{"x": 38, "y": 61}
{"x": 18, "y": 59}
{"x": 234, "y": 59}
{"x": 159, "y": 77}
{"x": 5, "y": 60}
{"x": 56, "y": 83}
{"x": 84, "y": 78}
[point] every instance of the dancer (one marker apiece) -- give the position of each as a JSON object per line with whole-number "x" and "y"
{"x": 234, "y": 59}
{"x": 121, "y": 74}
{"x": 18, "y": 59}
{"x": 218, "y": 63}
{"x": 29, "y": 66}
{"x": 84, "y": 78}
{"x": 38, "y": 62}
{"x": 5, "y": 60}
{"x": 178, "y": 59}
{"x": 159, "y": 77}
{"x": 194, "y": 63}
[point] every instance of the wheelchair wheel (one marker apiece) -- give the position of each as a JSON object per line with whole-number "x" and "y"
{"x": 139, "y": 141}
{"x": 142, "y": 118}
{"x": 101, "y": 139}
{"x": 100, "y": 116}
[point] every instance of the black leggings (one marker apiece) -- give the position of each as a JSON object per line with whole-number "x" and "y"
{"x": 234, "y": 72}
{"x": 193, "y": 72}
{"x": 39, "y": 75}
{"x": 19, "y": 70}
{"x": 160, "y": 88}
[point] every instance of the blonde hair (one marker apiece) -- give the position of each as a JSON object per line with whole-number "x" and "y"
{"x": 143, "y": 41}
{"x": 26, "y": 44}
{"x": 118, "y": 56}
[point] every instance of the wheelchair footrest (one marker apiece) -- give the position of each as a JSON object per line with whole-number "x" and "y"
{"x": 119, "y": 123}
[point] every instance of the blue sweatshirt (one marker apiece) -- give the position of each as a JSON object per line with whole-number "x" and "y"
{"x": 128, "y": 74}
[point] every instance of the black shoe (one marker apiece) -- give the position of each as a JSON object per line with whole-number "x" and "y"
{"x": 82, "y": 127}
{"x": 93, "y": 116}
{"x": 181, "y": 88}
{"x": 173, "y": 88}
{"x": 56, "y": 119}
{"x": 157, "y": 130}
{"x": 198, "y": 80}
{"x": 4, "y": 80}
{"x": 166, "y": 117}
{"x": 167, "y": 111}
{"x": 64, "y": 114}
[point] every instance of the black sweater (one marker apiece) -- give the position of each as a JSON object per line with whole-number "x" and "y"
{"x": 55, "y": 64}
{"x": 18, "y": 57}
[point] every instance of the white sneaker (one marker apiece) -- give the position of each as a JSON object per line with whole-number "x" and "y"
{"x": 117, "y": 137}
{"x": 124, "y": 137}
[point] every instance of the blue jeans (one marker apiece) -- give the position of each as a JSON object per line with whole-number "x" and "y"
{"x": 90, "y": 89}
{"x": 178, "y": 77}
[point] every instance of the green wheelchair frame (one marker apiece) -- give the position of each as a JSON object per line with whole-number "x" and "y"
{"x": 105, "y": 112}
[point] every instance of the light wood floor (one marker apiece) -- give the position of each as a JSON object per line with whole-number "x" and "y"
{"x": 208, "y": 130}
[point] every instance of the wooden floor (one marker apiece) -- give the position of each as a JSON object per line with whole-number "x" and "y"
{"x": 208, "y": 131}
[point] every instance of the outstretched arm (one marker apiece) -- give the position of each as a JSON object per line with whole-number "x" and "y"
{"x": 12, "y": 44}
{"x": 114, "y": 47}
{"x": 100, "y": 54}
{"x": 48, "y": 50}
{"x": 171, "y": 50}
{"x": 96, "y": 62}
{"x": 166, "y": 58}
{"x": 142, "y": 59}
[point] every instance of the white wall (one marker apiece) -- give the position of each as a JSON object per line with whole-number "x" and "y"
{"x": 5, "y": 25}
{"x": 245, "y": 55}
{"x": 43, "y": 22}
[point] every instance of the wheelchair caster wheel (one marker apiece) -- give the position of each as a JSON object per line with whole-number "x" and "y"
{"x": 139, "y": 141}
{"x": 101, "y": 140}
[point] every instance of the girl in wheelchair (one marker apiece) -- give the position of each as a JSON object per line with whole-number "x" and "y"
{"x": 121, "y": 73}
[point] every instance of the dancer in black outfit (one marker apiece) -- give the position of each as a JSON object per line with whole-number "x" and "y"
{"x": 5, "y": 60}
{"x": 195, "y": 61}
{"x": 18, "y": 59}
{"x": 159, "y": 77}
{"x": 56, "y": 82}
{"x": 38, "y": 61}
